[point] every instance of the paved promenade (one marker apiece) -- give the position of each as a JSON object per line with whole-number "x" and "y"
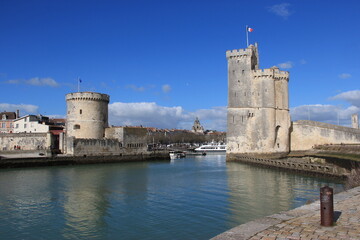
{"x": 303, "y": 223}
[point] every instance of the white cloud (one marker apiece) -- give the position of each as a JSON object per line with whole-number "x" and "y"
{"x": 353, "y": 97}
{"x": 286, "y": 65}
{"x": 344, "y": 75}
{"x": 23, "y": 108}
{"x": 324, "y": 113}
{"x": 149, "y": 114}
{"x": 36, "y": 81}
{"x": 281, "y": 10}
{"x": 13, "y": 82}
{"x": 56, "y": 116}
{"x": 166, "y": 88}
{"x": 42, "y": 82}
{"x": 136, "y": 88}
{"x": 214, "y": 118}
{"x": 333, "y": 114}
{"x": 316, "y": 112}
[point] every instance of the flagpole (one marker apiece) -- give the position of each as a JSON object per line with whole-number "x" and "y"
{"x": 78, "y": 84}
{"x": 247, "y": 36}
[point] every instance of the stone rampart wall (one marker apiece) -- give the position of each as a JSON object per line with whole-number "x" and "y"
{"x": 96, "y": 147}
{"x": 71, "y": 160}
{"x": 133, "y": 139}
{"x": 25, "y": 154}
{"x": 103, "y": 147}
{"x": 323, "y": 169}
{"x": 25, "y": 141}
{"x": 306, "y": 135}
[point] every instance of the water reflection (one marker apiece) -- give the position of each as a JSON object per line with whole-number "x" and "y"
{"x": 189, "y": 198}
{"x": 85, "y": 203}
{"x": 26, "y": 199}
{"x": 256, "y": 192}
{"x": 92, "y": 192}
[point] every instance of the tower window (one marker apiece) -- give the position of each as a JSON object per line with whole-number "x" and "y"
{"x": 76, "y": 126}
{"x": 243, "y": 71}
{"x": 80, "y": 111}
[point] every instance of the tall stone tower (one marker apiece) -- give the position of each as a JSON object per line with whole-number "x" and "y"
{"x": 355, "y": 121}
{"x": 258, "y": 119}
{"x": 87, "y": 114}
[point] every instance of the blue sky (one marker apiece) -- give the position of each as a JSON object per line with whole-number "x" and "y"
{"x": 163, "y": 62}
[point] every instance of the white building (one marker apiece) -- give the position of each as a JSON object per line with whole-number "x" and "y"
{"x": 31, "y": 124}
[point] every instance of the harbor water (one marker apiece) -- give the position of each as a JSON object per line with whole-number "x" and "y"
{"x": 189, "y": 198}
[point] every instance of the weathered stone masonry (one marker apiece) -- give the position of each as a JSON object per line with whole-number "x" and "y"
{"x": 88, "y": 134}
{"x": 258, "y": 120}
{"x": 87, "y": 114}
{"x": 25, "y": 141}
{"x": 307, "y": 134}
{"x": 258, "y": 109}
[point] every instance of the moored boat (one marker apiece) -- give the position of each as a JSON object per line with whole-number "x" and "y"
{"x": 177, "y": 154}
{"x": 213, "y": 147}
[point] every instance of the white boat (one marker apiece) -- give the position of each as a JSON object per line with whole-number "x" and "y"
{"x": 213, "y": 147}
{"x": 176, "y": 154}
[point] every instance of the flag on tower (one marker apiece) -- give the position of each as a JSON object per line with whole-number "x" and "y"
{"x": 79, "y": 81}
{"x": 248, "y": 29}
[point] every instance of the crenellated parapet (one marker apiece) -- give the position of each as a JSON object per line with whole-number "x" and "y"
{"x": 273, "y": 73}
{"x": 88, "y": 96}
{"x": 238, "y": 53}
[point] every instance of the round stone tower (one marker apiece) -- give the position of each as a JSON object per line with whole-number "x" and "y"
{"x": 87, "y": 114}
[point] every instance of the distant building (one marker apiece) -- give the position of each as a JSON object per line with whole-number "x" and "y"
{"x": 355, "y": 121}
{"x": 31, "y": 124}
{"x": 7, "y": 121}
{"x": 58, "y": 121}
{"x": 197, "y": 128}
{"x": 30, "y": 133}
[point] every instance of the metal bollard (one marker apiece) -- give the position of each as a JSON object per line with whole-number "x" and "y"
{"x": 326, "y": 206}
